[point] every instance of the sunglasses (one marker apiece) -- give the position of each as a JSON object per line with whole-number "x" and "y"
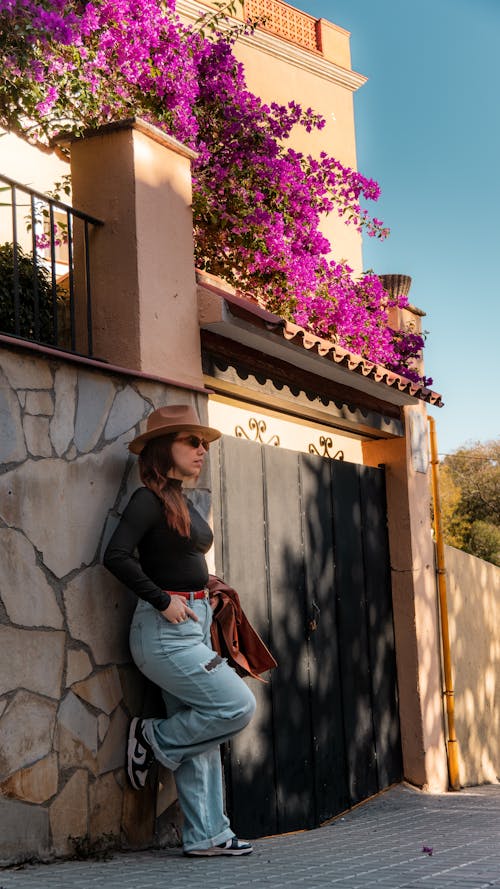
{"x": 194, "y": 441}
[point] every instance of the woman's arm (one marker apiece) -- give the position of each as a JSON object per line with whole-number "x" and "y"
{"x": 140, "y": 515}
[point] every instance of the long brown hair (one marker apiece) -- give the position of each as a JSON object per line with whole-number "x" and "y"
{"x": 155, "y": 461}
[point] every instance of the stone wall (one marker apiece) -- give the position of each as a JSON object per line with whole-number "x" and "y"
{"x": 67, "y": 686}
{"x": 474, "y": 617}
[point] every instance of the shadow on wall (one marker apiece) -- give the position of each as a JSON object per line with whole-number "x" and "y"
{"x": 474, "y": 615}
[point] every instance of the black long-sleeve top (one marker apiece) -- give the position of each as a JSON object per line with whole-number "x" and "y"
{"x": 165, "y": 560}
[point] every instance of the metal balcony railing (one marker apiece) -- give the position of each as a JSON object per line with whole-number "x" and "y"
{"x": 45, "y": 264}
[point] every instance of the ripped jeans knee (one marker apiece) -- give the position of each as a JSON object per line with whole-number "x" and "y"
{"x": 214, "y": 663}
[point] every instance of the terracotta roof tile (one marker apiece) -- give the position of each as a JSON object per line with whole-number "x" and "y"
{"x": 357, "y": 364}
{"x": 325, "y": 349}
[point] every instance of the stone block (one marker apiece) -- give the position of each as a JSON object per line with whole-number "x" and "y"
{"x": 138, "y": 816}
{"x": 72, "y": 753}
{"x": 103, "y": 722}
{"x": 132, "y": 483}
{"x": 167, "y": 791}
{"x": 134, "y": 686}
{"x": 69, "y": 813}
{"x": 112, "y": 752}
{"x": 25, "y": 372}
{"x": 128, "y": 409}
{"x": 168, "y": 827}
{"x": 36, "y": 784}
{"x": 36, "y": 433}
{"x": 33, "y": 659}
{"x": 39, "y": 403}
{"x": 103, "y": 690}
{"x": 78, "y": 666}
{"x": 12, "y": 446}
{"x": 61, "y": 506}
{"x": 24, "y": 832}
{"x": 76, "y": 734}
{"x": 26, "y": 732}
{"x": 28, "y": 598}
{"x": 62, "y": 425}
{"x": 99, "y": 610}
{"x": 95, "y": 397}
{"x": 105, "y": 807}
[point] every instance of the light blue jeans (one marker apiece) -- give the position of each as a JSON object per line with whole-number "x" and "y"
{"x": 206, "y": 703}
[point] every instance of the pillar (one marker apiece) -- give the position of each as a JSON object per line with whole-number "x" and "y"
{"x": 416, "y": 618}
{"x": 137, "y": 181}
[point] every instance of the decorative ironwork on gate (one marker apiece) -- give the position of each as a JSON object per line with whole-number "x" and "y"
{"x": 326, "y": 443}
{"x": 258, "y": 427}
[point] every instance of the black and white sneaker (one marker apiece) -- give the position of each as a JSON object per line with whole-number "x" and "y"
{"x": 233, "y": 847}
{"x": 139, "y": 755}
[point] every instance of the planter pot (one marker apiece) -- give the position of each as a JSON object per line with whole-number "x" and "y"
{"x": 396, "y": 285}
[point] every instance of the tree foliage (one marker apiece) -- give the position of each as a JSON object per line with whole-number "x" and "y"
{"x": 257, "y": 203}
{"x": 470, "y": 499}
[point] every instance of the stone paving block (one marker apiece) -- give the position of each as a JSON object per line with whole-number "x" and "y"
{"x": 373, "y": 846}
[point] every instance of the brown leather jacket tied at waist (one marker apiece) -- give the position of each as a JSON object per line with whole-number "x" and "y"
{"x": 233, "y": 636}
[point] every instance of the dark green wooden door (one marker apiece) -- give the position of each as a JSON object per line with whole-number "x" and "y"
{"x": 304, "y": 541}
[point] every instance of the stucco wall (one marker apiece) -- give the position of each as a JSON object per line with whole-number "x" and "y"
{"x": 67, "y": 686}
{"x": 474, "y": 616}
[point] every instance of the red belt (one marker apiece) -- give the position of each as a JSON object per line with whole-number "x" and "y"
{"x": 196, "y": 594}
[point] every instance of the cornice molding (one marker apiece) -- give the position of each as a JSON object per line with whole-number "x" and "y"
{"x": 285, "y": 51}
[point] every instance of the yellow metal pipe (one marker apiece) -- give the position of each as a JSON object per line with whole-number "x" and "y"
{"x": 452, "y": 745}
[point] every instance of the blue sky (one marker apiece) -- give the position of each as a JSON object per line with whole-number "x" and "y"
{"x": 428, "y": 130}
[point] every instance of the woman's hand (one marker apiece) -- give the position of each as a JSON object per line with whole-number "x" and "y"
{"x": 178, "y": 611}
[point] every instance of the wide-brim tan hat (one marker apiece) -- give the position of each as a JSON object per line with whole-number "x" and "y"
{"x": 170, "y": 419}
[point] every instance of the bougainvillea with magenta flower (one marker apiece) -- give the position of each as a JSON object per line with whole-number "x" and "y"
{"x": 257, "y": 203}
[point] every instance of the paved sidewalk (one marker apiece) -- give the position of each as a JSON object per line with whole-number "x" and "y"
{"x": 379, "y": 844}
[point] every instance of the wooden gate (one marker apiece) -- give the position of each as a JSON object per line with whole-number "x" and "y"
{"x": 304, "y": 541}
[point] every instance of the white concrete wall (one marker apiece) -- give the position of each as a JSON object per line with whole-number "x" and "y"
{"x": 474, "y": 617}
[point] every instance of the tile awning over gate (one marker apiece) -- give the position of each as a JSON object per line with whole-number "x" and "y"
{"x": 242, "y": 320}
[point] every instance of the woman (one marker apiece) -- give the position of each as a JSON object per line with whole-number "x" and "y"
{"x": 206, "y": 702}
